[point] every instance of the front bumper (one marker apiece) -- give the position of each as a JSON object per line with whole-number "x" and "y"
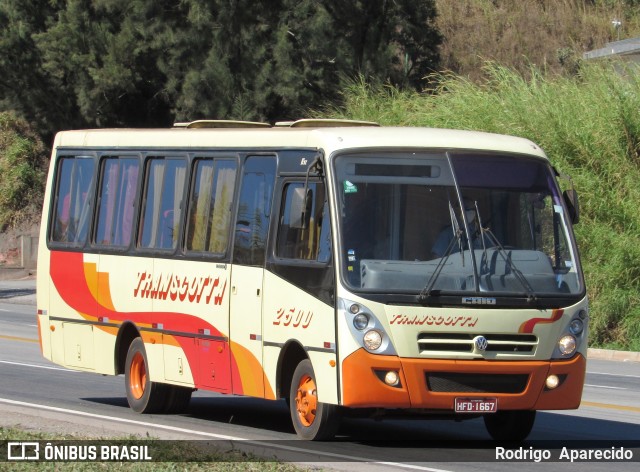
{"x": 363, "y": 387}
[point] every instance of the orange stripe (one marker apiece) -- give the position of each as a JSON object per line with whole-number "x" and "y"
{"x": 15, "y": 338}
{"x": 91, "y": 277}
{"x": 611, "y": 407}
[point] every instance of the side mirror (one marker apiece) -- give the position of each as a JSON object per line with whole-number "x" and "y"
{"x": 571, "y": 200}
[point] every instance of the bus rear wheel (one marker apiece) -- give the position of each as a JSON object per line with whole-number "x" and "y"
{"x": 510, "y": 425}
{"x": 312, "y": 419}
{"x": 178, "y": 399}
{"x": 143, "y": 395}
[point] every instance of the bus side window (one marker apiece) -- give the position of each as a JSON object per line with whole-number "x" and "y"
{"x": 165, "y": 182}
{"x": 304, "y": 231}
{"x": 118, "y": 188}
{"x": 210, "y": 205}
{"x": 72, "y": 207}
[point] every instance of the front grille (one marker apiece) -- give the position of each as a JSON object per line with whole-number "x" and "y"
{"x": 462, "y": 343}
{"x": 451, "y": 382}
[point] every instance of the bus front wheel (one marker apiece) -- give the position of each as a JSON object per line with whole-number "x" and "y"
{"x": 143, "y": 395}
{"x": 510, "y": 425}
{"x": 312, "y": 419}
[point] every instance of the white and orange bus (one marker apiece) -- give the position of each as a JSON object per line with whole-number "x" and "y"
{"x": 343, "y": 266}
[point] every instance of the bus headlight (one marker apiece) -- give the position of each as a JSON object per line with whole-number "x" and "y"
{"x": 567, "y": 345}
{"x": 372, "y": 340}
{"x": 576, "y": 327}
{"x": 360, "y": 321}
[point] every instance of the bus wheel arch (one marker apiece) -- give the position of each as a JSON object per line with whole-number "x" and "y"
{"x": 291, "y": 354}
{"x": 127, "y": 333}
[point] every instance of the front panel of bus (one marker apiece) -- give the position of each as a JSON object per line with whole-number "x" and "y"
{"x": 459, "y": 279}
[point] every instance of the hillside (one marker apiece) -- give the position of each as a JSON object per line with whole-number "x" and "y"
{"x": 590, "y": 128}
{"x": 549, "y": 34}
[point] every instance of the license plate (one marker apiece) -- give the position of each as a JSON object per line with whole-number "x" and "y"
{"x": 476, "y": 405}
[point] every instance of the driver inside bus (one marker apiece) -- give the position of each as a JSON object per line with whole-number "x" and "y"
{"x": 447, "y": 235}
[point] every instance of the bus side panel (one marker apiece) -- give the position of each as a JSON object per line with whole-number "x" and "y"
{"x": 291, "y": 314}
{"x": 43, "y": 279}
{"x": 72, "y": 308}
{"x": 247, "y": 289}
{"x": 193, "y": 298}
{"x": 118, "y": 278}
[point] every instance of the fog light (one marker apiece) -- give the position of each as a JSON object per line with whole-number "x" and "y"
{"x": 552, "y": 382}
{"x": 360, "y": 321}
{"x": 372, "y": 340}
{"x": 567, "y": 345}
{"x": 391, "y": 378}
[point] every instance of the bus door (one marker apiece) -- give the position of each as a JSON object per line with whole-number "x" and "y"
{"x": 247, "y": 274}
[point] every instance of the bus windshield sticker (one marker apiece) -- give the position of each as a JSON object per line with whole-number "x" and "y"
{"x": 350, "y": 187}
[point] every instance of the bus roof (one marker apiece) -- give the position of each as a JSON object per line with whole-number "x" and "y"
{"x": 329, "y": 139}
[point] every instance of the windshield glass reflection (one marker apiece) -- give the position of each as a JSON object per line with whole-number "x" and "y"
{"x": 434, "y": 223}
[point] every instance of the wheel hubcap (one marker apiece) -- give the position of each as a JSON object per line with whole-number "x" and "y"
{"x": 137, "y": 376}
{"x": 306, "y": 400}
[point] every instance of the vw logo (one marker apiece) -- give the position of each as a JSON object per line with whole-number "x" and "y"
{"x": 481, "y": 343}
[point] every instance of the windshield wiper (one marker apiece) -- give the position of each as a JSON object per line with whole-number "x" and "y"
{"x": 457, "y": 239}
{"x": 531, "y": 294}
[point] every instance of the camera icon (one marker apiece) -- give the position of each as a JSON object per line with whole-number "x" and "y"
{"x": 23, "y": 451}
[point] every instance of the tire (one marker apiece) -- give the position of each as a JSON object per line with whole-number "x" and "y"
{"x": 143, "y": 395}
{"x": 177, "y": 399}
{"x": 312, "y": 420}
{"x": 510, "y": 425}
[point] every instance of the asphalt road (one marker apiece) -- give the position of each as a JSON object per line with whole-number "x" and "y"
{"x": 37, "y": 394}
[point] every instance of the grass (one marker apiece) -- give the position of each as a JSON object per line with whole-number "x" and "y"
{"x": 589, "y": 126}
{"x": 174, "y": 455}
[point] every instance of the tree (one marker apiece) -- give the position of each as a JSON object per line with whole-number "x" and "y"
{"x": 276, "y": 60}
{"x": 88, "y": 63}
{"x": 24, "y": 86}
{"x": 103, "y": 55}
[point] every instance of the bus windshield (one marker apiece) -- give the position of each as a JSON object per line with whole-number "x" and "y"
{"x": 459, "y": 222}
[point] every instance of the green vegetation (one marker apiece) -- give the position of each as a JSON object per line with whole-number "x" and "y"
{"x": 22, "y": 172}
{"x": 589, "y": 126}
{"x": 177, "y": 455}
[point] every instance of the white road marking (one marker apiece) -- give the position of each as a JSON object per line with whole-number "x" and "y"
{"x": 218, "y": 436}
{"x": 615, "y": 375}
{"x": 39, "y": 366}
{"x": 604, "y": 386}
